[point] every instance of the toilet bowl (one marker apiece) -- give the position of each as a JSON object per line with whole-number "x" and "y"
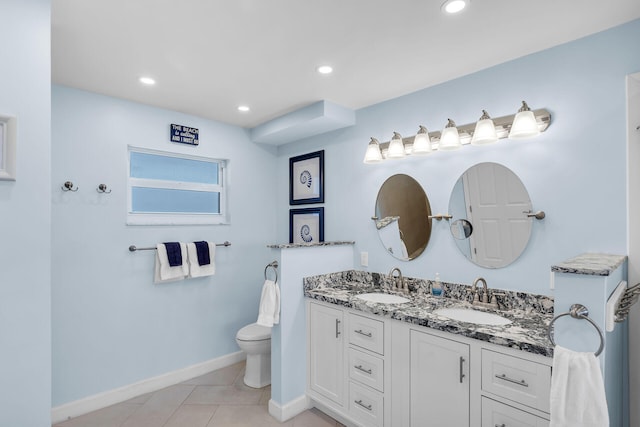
{"x": 255, "y": 341}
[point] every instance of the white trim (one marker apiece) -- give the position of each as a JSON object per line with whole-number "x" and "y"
{"x": 289, "y": 410}
{"x": 121, "y": 394}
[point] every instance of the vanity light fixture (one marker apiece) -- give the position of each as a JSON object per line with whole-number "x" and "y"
{"x": 243, "y": 108}
{"x": 373, "y": 154}
{"x": 485, "y": 131}
{"x": 514, "y": 126}
{"x": 422, "y": 143}
{"x": 450, "y": 139}
{"x": 325, "y": 69}
{"x": 524, "y": 124}
{"x": 396, "y": 147}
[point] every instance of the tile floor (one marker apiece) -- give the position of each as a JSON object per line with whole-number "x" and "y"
{"x": 216, "y": 399}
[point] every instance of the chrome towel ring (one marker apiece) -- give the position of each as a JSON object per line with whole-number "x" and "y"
{"x": 577, "y": 311}
{"x": 274, "y": 266}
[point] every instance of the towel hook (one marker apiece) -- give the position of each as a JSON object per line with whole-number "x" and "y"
{"x": 68, "y": 186}
{"x": 577, "y": 311}
{"x": 102, "y": 188}
{"x": 274, "y": 266}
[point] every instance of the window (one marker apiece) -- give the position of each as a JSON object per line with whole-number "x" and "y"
{"x": 175, "y": 189}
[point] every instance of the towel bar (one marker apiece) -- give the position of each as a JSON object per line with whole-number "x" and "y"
{"x": 274, "y": 266}
{"x": 577, "y": 311}
{"x": 134, "y": 248}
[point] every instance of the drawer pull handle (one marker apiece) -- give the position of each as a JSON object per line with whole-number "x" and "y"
{"x": 523, "y": 383}
{"x": 461, "y": 368}
{"x": 366, "y": 371}
{"x": 501, "y": 425}
{"x": 367, "y": 407}
{"x": 366, "y": 334}
{"x": 337, "y": 328}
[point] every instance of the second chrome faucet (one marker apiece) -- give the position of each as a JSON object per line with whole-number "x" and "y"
{"x": 399, "y": 283}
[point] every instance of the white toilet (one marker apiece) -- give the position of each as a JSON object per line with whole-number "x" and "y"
{"x": 255, "y": 340}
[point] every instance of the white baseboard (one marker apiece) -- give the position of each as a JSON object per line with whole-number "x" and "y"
{"x": 111, "y": 397}
{"x": 289, "y": 410}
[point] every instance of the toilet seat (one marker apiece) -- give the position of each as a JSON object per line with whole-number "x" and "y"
{"x": 254, "y": 332}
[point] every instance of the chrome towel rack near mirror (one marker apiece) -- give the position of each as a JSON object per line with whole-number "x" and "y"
{"x": 577, "y": 311}
{"x": 274, "y": 266}
{"x": 134, "y": 248}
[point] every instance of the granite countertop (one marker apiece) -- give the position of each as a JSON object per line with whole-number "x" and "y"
{"x": 528, "y": 332}
{"x": 593, "y": 264}
{"x": 310, "y": 245}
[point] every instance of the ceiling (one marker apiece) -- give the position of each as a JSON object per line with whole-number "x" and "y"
{"x": 210, "y": 56}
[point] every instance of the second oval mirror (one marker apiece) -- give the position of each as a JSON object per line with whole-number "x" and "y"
{"x": 489, "y": 205}
{"x": 402, "y": 217}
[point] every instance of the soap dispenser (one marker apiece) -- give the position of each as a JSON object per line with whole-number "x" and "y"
{"x": 436, "y": 287}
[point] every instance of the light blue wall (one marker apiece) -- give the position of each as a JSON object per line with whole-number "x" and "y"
{"x": 575, "y": 171}
{"x": 111, "y": 325}
{"x": 25, "y": 285}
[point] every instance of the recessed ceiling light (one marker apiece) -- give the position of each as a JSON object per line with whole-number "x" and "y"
{"x": 454, "y": 6}
{"x": 243, "y": 108}
{"x": 147, "y": 81}
{"x": 325, "y": 69}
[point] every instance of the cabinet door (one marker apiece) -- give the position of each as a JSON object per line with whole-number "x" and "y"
{"x": 439, "y": 380}
{"x": 326, "y": 358}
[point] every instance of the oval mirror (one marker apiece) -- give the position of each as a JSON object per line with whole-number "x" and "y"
{"x": 402, "y": 217}
{"x": 489, "y": 205}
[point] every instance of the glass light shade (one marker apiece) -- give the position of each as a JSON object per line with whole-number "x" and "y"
{"x": 450, "y": 140}
{"x": 373, "y": 154}
{"x": 454, "y": 6}
{"x": 396, "y": 147}
{"x": 422, "y": 142}
{"x": 524, "y": 124}
{"x": 485, "y": 132}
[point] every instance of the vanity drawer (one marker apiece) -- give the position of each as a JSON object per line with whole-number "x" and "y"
{"x": 366, "y": 405}
{"x": 496, "y": 414}
{"x": 366, "y": 333}
{"x": 366, "y": 369}
{"x": 520, "y": 380}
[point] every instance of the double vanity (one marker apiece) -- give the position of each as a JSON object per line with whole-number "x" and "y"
{"x": 377, "y": 357}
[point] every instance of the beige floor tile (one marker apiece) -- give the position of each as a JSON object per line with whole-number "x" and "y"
{"x": 224, "y": 376}
{"x": 221, "y": 395}
{"x": 313, "y": 418}
{"x": 112, "y": 416}
{"x": 159, "y": 408}
{"x": 192, "y": 416}
{"x": 140, "y": 399}
{"x": 245, "y": 416}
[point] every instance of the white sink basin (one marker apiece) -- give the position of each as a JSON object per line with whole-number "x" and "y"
{"x": 472, "y": 316}
{"x": 384, "y": 298}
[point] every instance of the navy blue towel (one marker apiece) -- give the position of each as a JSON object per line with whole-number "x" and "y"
{"x": 174, "y": 253}
{"x": 202, "y": 248}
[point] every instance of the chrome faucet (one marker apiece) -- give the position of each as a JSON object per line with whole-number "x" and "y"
{"x": 398, "y": 281}
{"x": 485, "y": 295}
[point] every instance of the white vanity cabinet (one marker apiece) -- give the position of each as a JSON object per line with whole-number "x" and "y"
{"x": 439, "y": 381}
{"x": 370, "y": 371}
{"x": 326, "y": 352}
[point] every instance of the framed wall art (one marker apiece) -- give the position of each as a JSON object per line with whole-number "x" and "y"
{"x": 7, "y": 148}
{"x": 306, "y": 225}
{"x": 306, "y": 179}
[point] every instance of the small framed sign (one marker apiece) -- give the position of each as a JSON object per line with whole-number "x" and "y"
{"x": 306, "y": 225}
{"x": 306, "y": 179}
{"x": 184, "y": 134}
{"x": 7, "y": 148}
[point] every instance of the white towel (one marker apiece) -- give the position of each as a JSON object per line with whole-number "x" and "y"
{"x": 197, "y": 270}
{"x": 163, "y": 271}
{"x": 578, "y": 398}
{"x": 269, "y": 312}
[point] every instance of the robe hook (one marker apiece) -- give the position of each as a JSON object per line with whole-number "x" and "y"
{"x": 68, "y": 186}
{"x": 102, "y": 188}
